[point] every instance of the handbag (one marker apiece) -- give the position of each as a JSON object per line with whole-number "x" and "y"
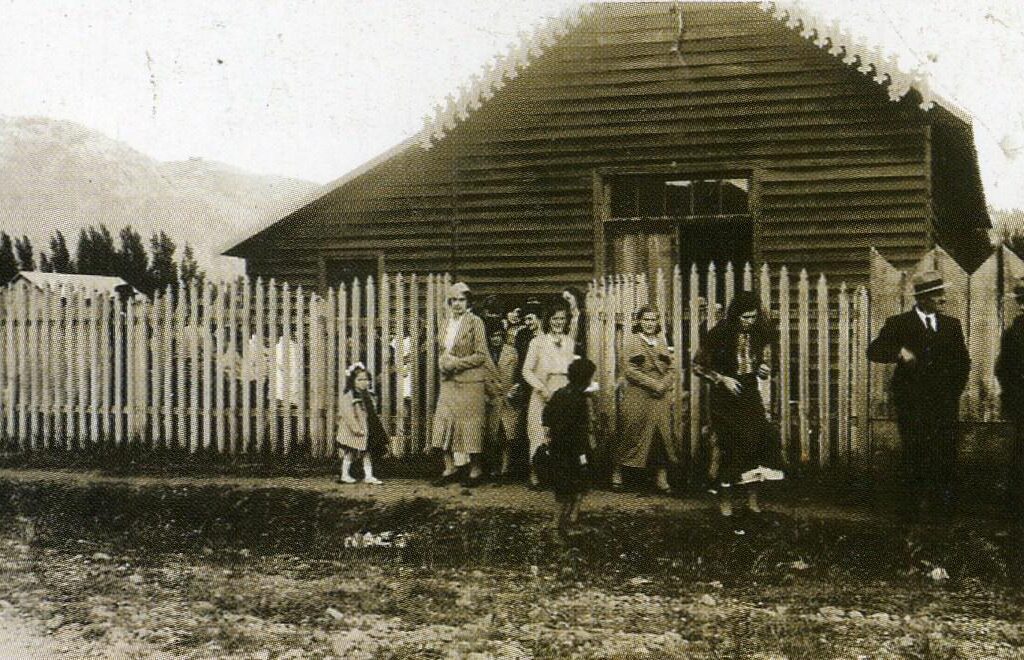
{"x": 541, "y": 461}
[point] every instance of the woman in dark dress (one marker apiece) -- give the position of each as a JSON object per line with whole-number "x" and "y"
{"x": 736, "y": 353}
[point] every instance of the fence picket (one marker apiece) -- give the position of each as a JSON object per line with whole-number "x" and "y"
{"x": 243, "y": 376}
{"x": 402, "y": 393}
{"x": 317, "y": 374}
{"x": 415, "y": 333}
{"x": 32, "y": 342}
{"x": 82, "y": 348}
{"x": 680, "y": 401}
{"x": 730, "y": 283}
{"x": 330, "y": 371}
{"x": 119, "y": 346}
{"x": 785, "y": 365}
{"x": 257, "y": 343}
{"x": 167, "y": 365}
{"x": 386, "y": 356}
{"x": 431, "y": 366}
{"x": 299, "y": 370}
{"x": 343, "y": 352}
{"x": 803, "y": 355}
{"x": 284, "y": 358}
{"x": 11, "y": 370}
{"x": 861, "y": 405}
{"x": 209, "y": 296}
{"x": 194, "y": 383}
{"x": 712, "y": 296}
{"x": 371, "y": 336}
{"x": 106, "y": 373}
{"x": 824, "y": 375}
{"x": 984, "y": 327}
{"x": 24, "y": 365}
{"x": 843, "y": 388}
{"x": 696, "y": 422}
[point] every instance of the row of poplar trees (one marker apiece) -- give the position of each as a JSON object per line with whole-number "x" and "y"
{"x": 97, "y": 254}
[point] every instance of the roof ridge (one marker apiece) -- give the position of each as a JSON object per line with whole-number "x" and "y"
{"x": 854, "y": 49}
{"x": 504, "y": 69}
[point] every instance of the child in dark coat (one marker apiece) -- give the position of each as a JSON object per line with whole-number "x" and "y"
{"x": 566, "y": 418}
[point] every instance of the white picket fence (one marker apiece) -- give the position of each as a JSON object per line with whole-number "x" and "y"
{"x": 257, "y": 368}
{"x": 820, "y": 400}
{"x": 234, "y": 368}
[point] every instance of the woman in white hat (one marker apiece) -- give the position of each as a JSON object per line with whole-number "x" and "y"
{"x": 459, "y": 419}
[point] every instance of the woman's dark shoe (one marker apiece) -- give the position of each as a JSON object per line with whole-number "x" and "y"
{"x": 446, "y": 479}
{"x": 472, "y": 482}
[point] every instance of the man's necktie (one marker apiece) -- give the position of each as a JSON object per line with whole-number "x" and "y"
{"x": 930, "y": 322}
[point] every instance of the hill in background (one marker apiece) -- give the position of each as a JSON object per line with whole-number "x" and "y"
{"x": 61, "y": 175}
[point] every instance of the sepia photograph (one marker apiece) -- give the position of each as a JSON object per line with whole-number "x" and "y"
{"x": 344, "y": 329}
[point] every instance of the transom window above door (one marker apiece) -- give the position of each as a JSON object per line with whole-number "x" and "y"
{"x": 661, "y": 196}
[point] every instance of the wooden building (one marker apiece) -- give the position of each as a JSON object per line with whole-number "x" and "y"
{"x": 632, "y": 136}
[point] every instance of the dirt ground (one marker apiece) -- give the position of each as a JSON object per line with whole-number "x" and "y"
{"x": 125, "y": 567}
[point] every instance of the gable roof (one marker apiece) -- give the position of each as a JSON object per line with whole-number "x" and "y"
{"x": 869, "y": 59}
{"x": 64, "y": 281}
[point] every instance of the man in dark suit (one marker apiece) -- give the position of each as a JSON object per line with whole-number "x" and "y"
{"x": 1010, "y": 372}
{"x": 932, "y": 364}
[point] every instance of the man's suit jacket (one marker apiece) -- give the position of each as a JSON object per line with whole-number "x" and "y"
{"x": 1010, "y": 370}
{"x": 938, "y": 375}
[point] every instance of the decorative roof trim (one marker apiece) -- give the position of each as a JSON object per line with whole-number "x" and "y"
{"x": 855, "y": 50}
{"x": 495, "y": 75}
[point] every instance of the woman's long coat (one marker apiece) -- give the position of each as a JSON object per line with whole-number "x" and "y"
{"x": 460, "y": 415}
{"x": 646, "y": 407}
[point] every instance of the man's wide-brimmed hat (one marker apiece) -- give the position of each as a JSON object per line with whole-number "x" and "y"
{"x": 929, "y": 281}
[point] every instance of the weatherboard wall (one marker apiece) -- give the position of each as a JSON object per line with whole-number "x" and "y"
{"x": 506, "y": 199}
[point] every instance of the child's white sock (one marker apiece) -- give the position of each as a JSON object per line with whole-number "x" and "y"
{"x": 346, "y": 466}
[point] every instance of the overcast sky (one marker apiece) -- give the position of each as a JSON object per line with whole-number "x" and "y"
{"x": 314, "y": 88}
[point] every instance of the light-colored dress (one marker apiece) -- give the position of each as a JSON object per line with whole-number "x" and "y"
{"x": 352, "y": 433}
{"x": 546, "y": 367}
{"x": 646, "y": 414}
{"x": 461, "y": 403}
